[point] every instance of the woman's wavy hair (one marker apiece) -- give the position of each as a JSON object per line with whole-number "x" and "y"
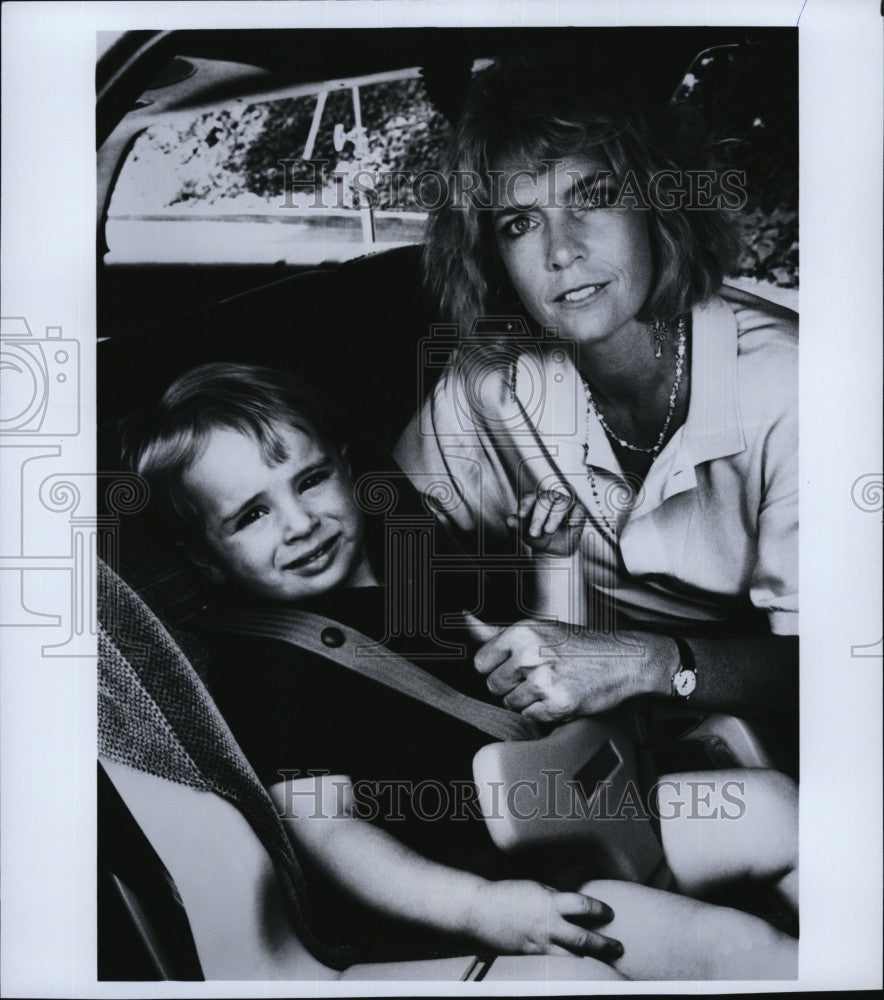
{"x": 525, "y": 109}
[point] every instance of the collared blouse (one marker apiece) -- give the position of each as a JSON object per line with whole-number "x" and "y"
{"x": 710, "y": 533}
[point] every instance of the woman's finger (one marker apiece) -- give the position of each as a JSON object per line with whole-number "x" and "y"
{"x": 479, "y": 630}
{"x": 555, "y": 518}
{"x": 505, "y": 678}
{"x": 538, "y": 518}
{"x": 557, "y": 502}
{"x": 525, "y": 504}
{"x": 540, "y": 711}
{"x": 491, "y": 656}
{"x": 520, "y": 667}
{"x": 522, "y": 696}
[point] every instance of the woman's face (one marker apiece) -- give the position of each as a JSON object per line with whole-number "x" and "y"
{"x": 583, "y": 269}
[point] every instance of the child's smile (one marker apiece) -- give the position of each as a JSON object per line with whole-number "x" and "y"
{"x": 283, "y": 532}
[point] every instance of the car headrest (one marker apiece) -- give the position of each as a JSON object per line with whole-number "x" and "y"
{"x": 354, "y": 330}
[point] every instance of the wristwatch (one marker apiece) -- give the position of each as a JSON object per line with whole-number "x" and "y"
{"x": 684, "y": 680}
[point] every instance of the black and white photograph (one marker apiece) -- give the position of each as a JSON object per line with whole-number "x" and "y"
{"x": 430, "y": 483}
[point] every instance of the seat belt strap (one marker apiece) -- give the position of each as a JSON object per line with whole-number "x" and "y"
{"x": 348, "y": 647}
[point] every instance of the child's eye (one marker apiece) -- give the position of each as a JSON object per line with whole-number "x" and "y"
{"x": 313, "y": 480}
{"x": 249, "y": 517}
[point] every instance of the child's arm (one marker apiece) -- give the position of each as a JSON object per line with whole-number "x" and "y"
{"x": 551, "y": 525}
{"x": 511, "y": 917}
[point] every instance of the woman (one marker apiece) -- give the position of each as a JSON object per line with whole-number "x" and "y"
{"x": 652, "y": 405}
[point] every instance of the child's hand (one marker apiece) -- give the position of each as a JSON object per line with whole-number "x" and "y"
{"x": 551, "y": 521}
{"x": 526, "y": 918}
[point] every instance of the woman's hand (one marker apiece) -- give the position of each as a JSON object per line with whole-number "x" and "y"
{"x": 550, "y": 521}
{"x": 527, "y": 918}
{"x": 553, "y": 673}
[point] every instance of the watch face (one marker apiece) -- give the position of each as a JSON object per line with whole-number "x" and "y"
{"x": 685, "y": 681}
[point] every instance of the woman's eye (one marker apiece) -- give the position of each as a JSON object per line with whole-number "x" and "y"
{"x": 250, "y": 517}
{"x": 519, "y": 226}
{"x": 313, "y": 480}
{"x": 587, "y": 200}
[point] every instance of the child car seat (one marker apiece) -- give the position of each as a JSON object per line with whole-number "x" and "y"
{"x": 172, "y": 759}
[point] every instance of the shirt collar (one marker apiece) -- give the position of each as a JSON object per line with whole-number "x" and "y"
{"x": 713, "y": 428}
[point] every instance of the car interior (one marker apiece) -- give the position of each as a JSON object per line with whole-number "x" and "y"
{"x": 195, "y": 873}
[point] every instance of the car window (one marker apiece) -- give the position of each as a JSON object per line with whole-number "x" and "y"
{"x": 332, "y": 173}
{"x": 305, "y": 179}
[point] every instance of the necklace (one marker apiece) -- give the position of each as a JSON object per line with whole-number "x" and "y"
{"x": 673, "y": 397}
{"x": 610, "y": 524}
{"x": 606, "y": 520}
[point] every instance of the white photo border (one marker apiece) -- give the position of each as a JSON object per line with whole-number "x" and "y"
{"x": 48, "y": 703}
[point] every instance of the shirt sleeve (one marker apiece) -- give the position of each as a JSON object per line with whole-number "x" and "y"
{"x": 774, "y": 584}
{"x": 450, "y": 456}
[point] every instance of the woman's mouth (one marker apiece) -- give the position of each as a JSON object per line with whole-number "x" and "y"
{"x": 580, "y": 294}
{"x": 316, "y": 560}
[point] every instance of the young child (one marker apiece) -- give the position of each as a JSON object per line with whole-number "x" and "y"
{"x": 258, "y": 480}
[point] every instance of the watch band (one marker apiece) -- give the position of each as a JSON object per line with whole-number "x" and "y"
{"x": 685, "y": 654}
{"x": 687, "y": 665}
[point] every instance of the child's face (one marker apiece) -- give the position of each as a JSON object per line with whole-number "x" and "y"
{"x": 284, "y": 532}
